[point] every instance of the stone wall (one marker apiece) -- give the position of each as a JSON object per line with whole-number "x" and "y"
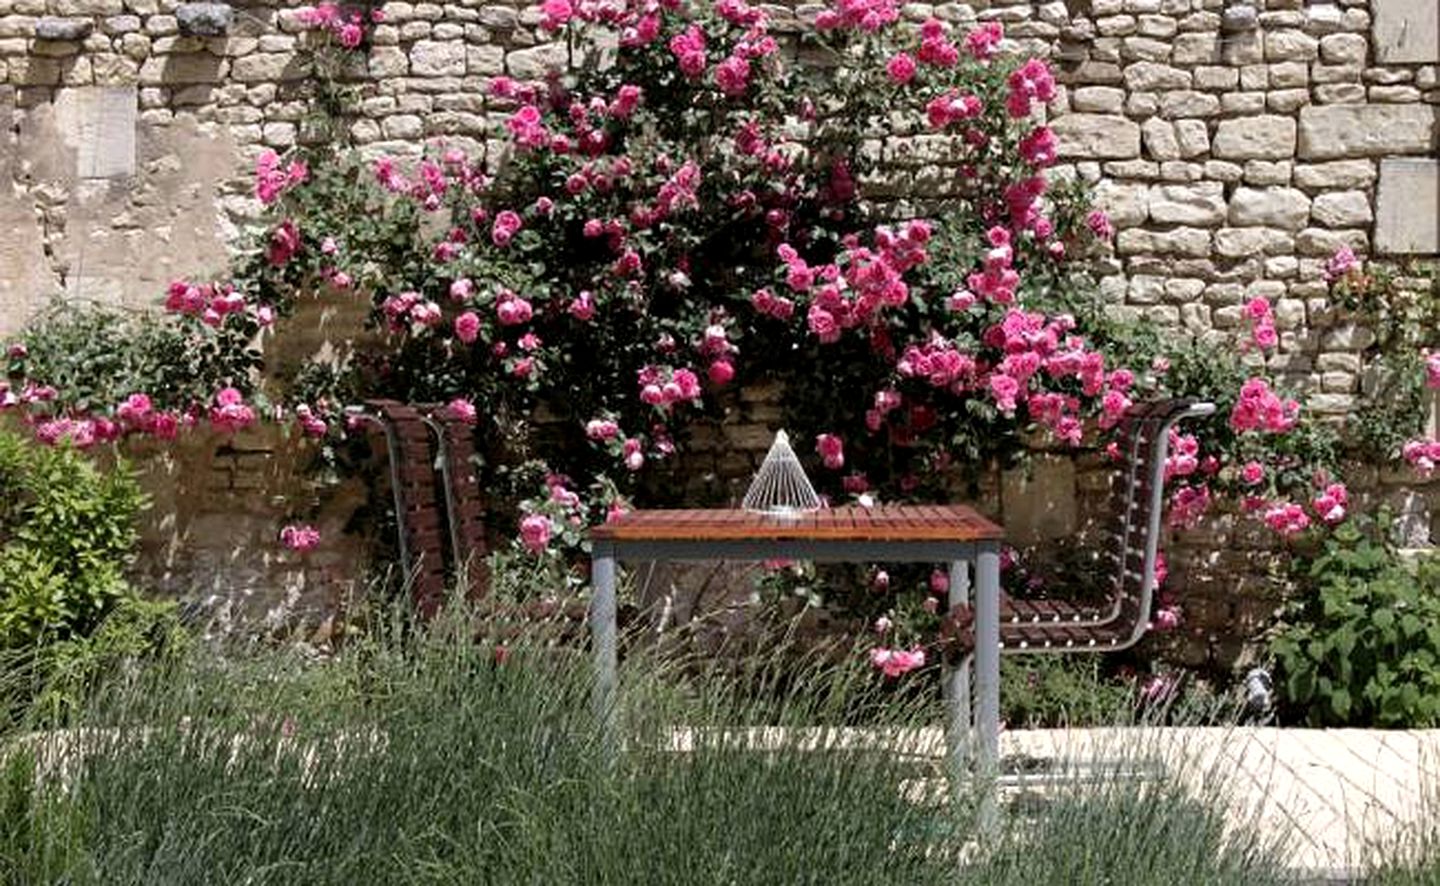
{"x": 1236, "y": 144}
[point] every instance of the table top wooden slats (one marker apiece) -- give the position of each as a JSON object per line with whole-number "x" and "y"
{"x": 851, "y": 523}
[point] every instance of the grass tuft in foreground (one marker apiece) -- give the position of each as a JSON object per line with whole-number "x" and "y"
{"x": 417, "y": 759}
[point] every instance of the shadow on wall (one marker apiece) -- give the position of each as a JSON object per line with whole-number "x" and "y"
{"x": 211, "y": 537}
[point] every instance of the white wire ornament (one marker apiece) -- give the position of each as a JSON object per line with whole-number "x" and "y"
{"x": 780, "y": 487}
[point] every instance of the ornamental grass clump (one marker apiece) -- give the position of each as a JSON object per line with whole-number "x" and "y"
{"x": 429, "y": 758}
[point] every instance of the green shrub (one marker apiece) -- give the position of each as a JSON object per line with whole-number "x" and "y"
{"x": 1360, "y": 645}
{"x": 97, "y": 355}
{"x": 67, "y": 612}
{"x": 67, "y": 534}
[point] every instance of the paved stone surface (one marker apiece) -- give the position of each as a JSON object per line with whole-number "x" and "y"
{"x": 1339, "y": 795}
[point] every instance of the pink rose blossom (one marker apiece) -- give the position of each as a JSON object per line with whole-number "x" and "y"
{"x": 1341, "y": 264}
{"x": 1330, "y": 504}
{"x": 632, "y": 455}
{"x": 939, "y": 581}
{"x": 1423, "y": 455}
{"x": 535, "y": 532}
{"x": 461, "y": 410}
{"x": 831, "y": 450}
{"x": 900, "y": 68}
{"x": 467, "y": 327}
{"x": 229, "y": 413}
{"x": 1286, "y": 519}
{"x": 1252, "y": 473}
{"x": 300, "y": 537}
{"x": 897, "y": 662}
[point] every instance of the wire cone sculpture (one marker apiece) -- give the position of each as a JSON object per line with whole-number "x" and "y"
{"x": 780, "y": 487}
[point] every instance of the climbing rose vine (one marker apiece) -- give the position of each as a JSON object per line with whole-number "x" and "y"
{"x": 686, "y": 215}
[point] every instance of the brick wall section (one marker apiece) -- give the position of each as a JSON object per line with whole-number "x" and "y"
{"x": 1236, "y": 145}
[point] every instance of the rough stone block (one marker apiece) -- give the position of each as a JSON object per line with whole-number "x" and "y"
{"x": 64, "y": 29}
{"x": 1284, "y": 208}
{"x": 431, "y": 58}
{"x": 1160, "y": 143}
{"x": 1126, "y": 204}
{"x": 1245, "y": 242}
{"x": 1193, "y": 137}
{"x": 1345, "y": 209}
{"x": 1288, "y": 45}
{"x": 1152, "y": 77}
{"x": 1406, "y": 31}
{"x": 1407, "y": 207}
{"x": 204, "y": 19}
{"x": 533, "y": 63}
{"x": 1098, "y": 99}
{"x": 1336, "y": 131}
{"x": 1264, "y": 137}
{"x": 1188, "y": 103}
{"x": 1341, "y": 49}
{"x": 1096, "y": 136}
{"x": 1201, "y": 204}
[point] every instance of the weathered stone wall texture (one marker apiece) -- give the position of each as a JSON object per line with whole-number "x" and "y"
{"x": 1236, "y": 144}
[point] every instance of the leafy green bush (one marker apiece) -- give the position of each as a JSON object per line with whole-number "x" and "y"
{"x": 1360, "y": 645}
{"x": 97, "y": 355}
{"x": 67, "y": 534}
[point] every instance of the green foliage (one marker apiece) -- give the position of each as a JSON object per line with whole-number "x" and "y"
{"x": 1360, "y": 644}
{"x": 67, "y": 613}
{"x": 67, "y": 535}
{"x": 1401, "y": 307}
{"x": 1046, "y": 691}
{"x": 97, "y": 355}
{"x": 1395, "y": 405}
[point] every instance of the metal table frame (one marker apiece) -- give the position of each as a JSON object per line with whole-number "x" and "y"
{"x": 984, "y": 554}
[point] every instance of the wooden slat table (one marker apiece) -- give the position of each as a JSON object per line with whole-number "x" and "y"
{"x": 953, "y": 534}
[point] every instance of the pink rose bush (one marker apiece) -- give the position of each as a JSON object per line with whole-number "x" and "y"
{"x": 639, "y": 263}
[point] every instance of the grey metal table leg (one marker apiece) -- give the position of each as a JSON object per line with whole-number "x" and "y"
{"x": 987, "y": 678}
{"x": 956, "y": 679}
{"x": 602, "y": 639}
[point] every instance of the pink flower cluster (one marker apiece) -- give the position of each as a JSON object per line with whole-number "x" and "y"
{"x": 1187, "y": 505}
{"x": 831, "y": 450}
{"x": 1262, "y": 323}
{"x": 688, "y": 47}
{"x": 664, "y": 388}
{"x": 1432, "y": 369}
{"x": 952, "y": 107}
{"x": 1329, "y": 505}
{"x": 1341, "y": 264}
{"x": 1261, "y": 409}
{"x": 348, "y": 29}
{"x": 897, "y": 662}
{"x": 311, "y": 424}
{"x": 1423, "y": 455}
{"x": 409, "y": 311}
{"x": 864, "y": 15}
{"x": 982, "y": 42}
{"x": 935, "y": 47}
{"x": 535, "y": 532}
{"x": 230, "y": 413}
{"x": 139, "y": 415}
{"x": 1286, "y": 518}
{"x": 1031, "y": 82}
{"x": 300, "y": 537}
{"x": 271, "y": 180}
{"x": 284, "y": 243}
{"x": 209, "y": 302}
